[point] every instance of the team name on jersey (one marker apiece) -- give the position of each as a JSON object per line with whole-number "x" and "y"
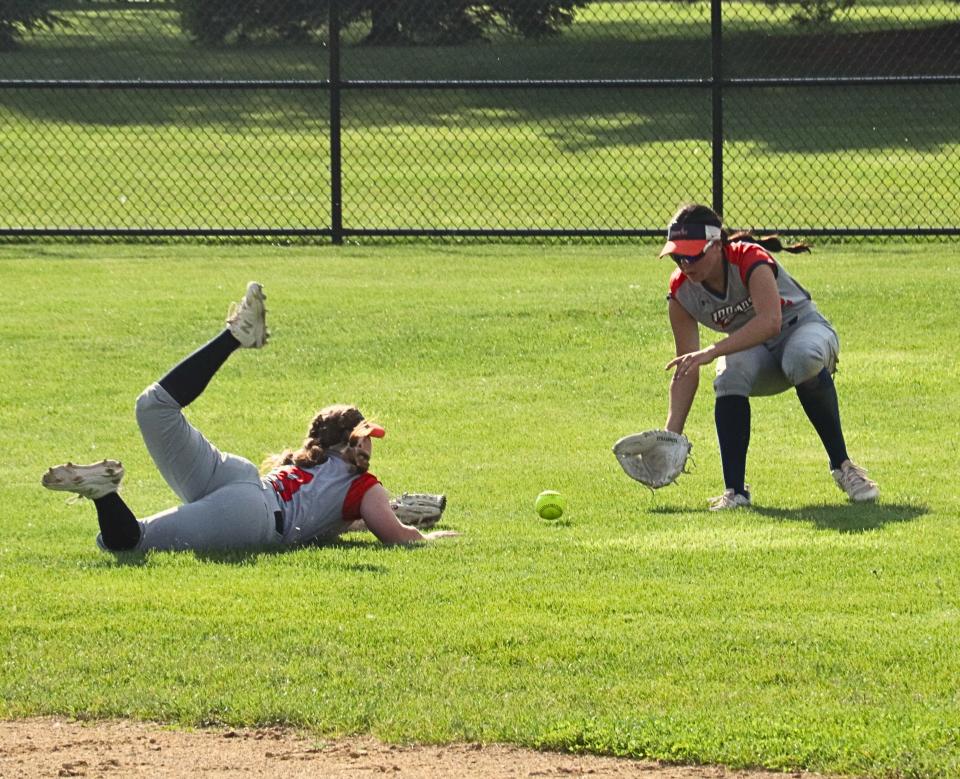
{"x": 722, "y": 317}
{"x": 734, "y": 308}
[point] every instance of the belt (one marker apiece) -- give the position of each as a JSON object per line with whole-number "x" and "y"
{"x": 270, "y": 489}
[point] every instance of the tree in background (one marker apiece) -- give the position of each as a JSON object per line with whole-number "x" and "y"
{"x": 812, "y": 12}
{"x": 459, "y": 21}
{"x": 213, "y": 22}
{"x": 391, "y": 22}
{"x": 20, "y": 16}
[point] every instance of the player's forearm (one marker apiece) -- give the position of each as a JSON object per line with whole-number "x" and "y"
{"x": 754, "y": 332}
{"x": 403, "y": 534}
{"x": 682, "y": 392}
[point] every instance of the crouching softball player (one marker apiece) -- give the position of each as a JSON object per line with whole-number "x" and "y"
{"x": 311, "y": 496}
{"x": 775, "y": 339}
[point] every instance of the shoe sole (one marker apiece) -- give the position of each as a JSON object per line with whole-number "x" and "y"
{"x": 255, "y": 296}
{"x": 70, "y": 477}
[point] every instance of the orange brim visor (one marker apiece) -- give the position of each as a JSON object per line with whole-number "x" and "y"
{"x": 367, "y": 429}
{"x": 689, "y": 239}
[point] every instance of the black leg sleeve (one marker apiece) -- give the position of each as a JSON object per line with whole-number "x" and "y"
{"x": 818, "y": 396}
{"x": 190, "y": 377}
{"x": 732, "y": 416}
{"x": 118, "y": 526}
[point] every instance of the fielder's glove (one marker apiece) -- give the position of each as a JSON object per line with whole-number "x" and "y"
{"x": 419, "y": 509}
{"x": 654, "y": 458}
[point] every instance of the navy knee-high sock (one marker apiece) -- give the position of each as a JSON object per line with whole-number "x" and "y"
{"x": 119, "y": 528}
{"x": 190, "y": 377}
{"x": 818, "y": 396}
{"x": 732, "y": 416}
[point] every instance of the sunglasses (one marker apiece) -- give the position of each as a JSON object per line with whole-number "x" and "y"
{"x": 690, "y": 259}
{"x": 687, "y": 259}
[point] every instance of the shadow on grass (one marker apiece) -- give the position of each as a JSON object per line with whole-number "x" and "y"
{"x": 842, "y": 518}
{"x": 241, "y": 557}
{"x": 846, "y": 518}
{"x": 835, "y": 118}
{"x": 122, "y": 560}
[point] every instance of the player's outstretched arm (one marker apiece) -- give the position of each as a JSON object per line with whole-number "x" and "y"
{"x": 380, "y": 519}
{"x": 683, "y": 388}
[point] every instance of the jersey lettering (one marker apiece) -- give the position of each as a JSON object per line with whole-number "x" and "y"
{"x": 731, "y": 310}
{"x": 723, "y": 317}
{"x": 289, "y": 480}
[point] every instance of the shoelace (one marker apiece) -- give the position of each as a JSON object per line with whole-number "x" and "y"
{"x": 727, "y": 499}
{"x": 854, "y": 475}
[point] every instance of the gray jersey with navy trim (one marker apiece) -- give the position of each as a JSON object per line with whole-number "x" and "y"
{"x": 730, "y": 310}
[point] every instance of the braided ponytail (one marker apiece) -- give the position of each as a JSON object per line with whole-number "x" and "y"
{"x": 771, "y": 243}
{"x": 330, "y": 430}
{"x": 309, "y": 455}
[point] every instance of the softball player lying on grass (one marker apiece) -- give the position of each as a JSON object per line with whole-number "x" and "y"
{"x": 312, "y": 495}
{"x": 775, "y": 339}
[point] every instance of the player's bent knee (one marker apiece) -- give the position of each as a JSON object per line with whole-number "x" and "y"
{"x": 804, "y": 367}
{"x": 731, "y": 384}
{"x": 152, "y": 401}
{"x": 146, "y": 400}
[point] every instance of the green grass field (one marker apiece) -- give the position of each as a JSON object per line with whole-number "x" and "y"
{"x": 804, "y": 633}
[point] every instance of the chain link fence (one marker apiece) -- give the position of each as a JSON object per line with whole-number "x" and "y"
{"x": 520, "y": 117}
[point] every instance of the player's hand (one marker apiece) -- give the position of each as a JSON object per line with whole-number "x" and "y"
{"x": 690, "y": 362}
{"x": 433, "y": 535}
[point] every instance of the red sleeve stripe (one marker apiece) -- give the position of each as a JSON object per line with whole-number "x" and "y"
{"x": 358, "y": 488}
{"x": 676, "y": 280}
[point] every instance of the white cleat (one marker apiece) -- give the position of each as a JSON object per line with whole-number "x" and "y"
{"x": 247, "y": 320}
{"x": 853, "y": 480}
{"x": 88, "y": 481}
{"x": 730, "y": 500}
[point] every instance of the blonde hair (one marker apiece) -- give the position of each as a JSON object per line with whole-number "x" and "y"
{"x": 331, "y": 429}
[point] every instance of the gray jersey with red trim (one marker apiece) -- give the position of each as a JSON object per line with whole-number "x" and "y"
{"x": 731, "y": 310}
{"x": 319, "y": 503}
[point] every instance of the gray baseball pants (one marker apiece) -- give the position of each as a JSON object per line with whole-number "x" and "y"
{"x": 808, "y": 346}
{"x": 226, "y": 505}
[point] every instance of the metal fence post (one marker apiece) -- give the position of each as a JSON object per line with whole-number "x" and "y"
{"x": 336, "y": 171}
{"x": 716, "y": 89}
